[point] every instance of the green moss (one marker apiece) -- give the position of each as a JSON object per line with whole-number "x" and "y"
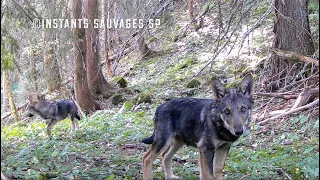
{"x": 153, "y": 39}
{"x": 175, "y": 38}
{"x": 117, "y": 99}
{"x": 185, "y": 63}
{"x": 152, "y": 61}
{"x": 120, "y": 81}
{"x": 142, "y": 98}
{"x": 232, "y": 85}
{"x": 193, "y": 83}
{"x": 128, "y": 105}
{"x": 196, "y": 26}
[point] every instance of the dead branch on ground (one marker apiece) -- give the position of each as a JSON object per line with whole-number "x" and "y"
{"x": 302, "y": 108}
{"x": 294, "y": 56}
{"x": 277, "y": 95}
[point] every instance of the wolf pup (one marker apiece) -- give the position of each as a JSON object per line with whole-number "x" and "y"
{"x": 54, "y": 112}
{"x": 211, "y": 125}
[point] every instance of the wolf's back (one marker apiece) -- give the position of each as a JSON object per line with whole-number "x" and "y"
{"x": 68, "y": 106}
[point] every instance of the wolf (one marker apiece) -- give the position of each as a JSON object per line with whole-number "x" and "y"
{"x": 53, "y": 112}
{"x": 211, "y": 125}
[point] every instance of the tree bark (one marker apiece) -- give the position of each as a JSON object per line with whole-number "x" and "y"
{"x": 5, "y": 102}
{"x": 107, "y": 39}
{"x": 33, "y": 72}
{"x": 191, "y": 9}
{"x": 292, "y": 33}
{"x": 9, "y": 95}
{"x": 51, "y": 67}
{"x": 96, "y": 81}
{"x": 144, "y": 50}
{"x": 82, "y": 93}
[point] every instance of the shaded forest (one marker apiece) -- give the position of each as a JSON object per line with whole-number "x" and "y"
{"x": 120, "y": 59}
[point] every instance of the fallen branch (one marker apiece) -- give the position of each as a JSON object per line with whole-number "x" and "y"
{"x": 277, "y": 95}
{"x": 305, "y": 96}
{"x": 294, "y": 56}
{"x": 284, "y": 173}
{"x": 18, "y": 109}
{"x": 302, "y": 108}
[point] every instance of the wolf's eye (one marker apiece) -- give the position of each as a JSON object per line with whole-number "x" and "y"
{"x": 243, "y": 109}
{"x": 227, "y": 111}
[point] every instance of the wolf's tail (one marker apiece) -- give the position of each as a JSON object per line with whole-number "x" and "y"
{"x": 148, "y": 140}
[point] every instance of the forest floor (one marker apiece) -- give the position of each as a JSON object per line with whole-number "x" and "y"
{"x": 108, "y": 143}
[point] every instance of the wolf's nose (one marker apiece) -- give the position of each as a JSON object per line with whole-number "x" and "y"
{"x": 238, "y": 132}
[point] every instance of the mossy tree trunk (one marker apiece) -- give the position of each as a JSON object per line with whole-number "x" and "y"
{"x": 292, "y": 33}
{"x": 9, "y": 96}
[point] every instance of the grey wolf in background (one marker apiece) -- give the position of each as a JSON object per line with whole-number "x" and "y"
{"x": 211, "y": 125}
{"x": 54, "y": 111}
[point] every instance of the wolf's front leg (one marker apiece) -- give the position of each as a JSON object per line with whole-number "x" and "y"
{"x": 220, "y": 157}
{"x": 206, "y": 163}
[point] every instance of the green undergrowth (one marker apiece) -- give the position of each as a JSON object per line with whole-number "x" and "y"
{"x": 107, "y": 146}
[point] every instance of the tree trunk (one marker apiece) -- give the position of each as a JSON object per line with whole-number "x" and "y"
{"x": 82, "y": 93}
{"x": 107, "y": 38}
{"x": 143, "y": 48}
{"x": 9, "y": 95}
{"x": 116, "y": 38}
{"x": 191, "y": 9}
{"x": 96, "y": 81}
{"x": 292, "y": 33}
{"x": 33, "y": 72}
{"x": 5, "y": 102}
{"x": 51, "y": 67}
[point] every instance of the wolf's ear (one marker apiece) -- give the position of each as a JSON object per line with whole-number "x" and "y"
{"x": 246, "y": 85}
{"x": 217, "y": 88}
